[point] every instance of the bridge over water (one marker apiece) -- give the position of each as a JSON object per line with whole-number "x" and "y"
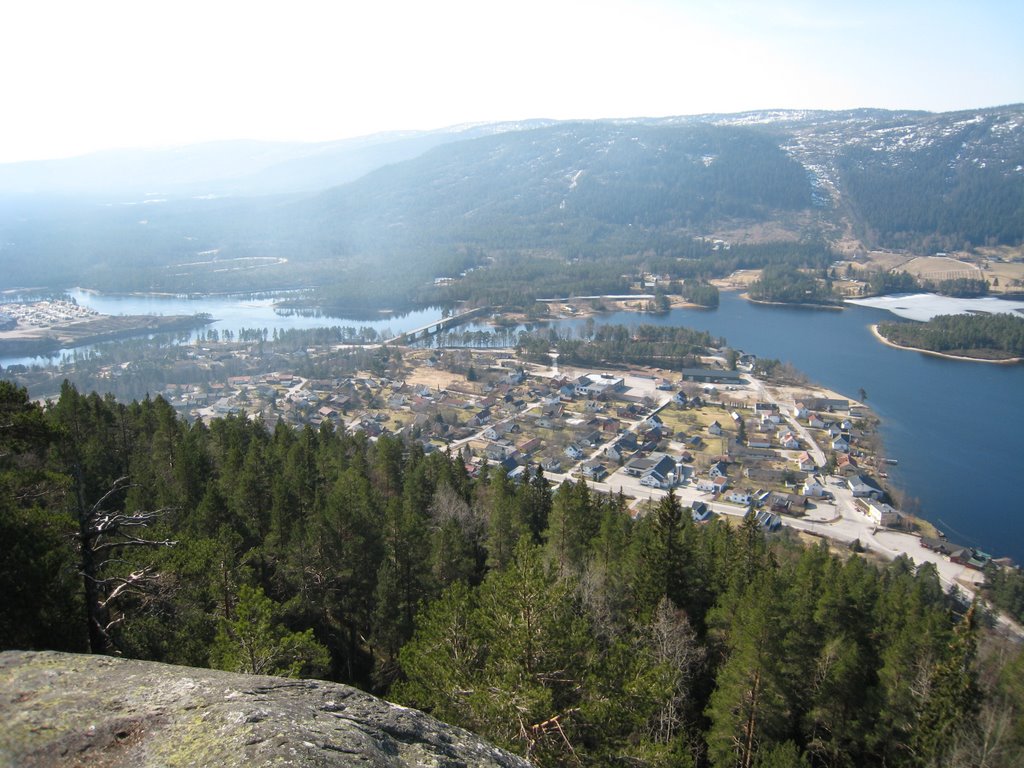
{"x": 425, "y": 331}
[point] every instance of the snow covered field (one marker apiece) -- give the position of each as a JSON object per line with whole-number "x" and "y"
{"x": 925, "y": 306}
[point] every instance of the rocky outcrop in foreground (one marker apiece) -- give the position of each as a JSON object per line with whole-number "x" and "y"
{"x": 61, "y": 709}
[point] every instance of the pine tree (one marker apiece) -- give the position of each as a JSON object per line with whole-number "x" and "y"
{"x": 254, "y": 642}
{"x": 748, "y": 707}
{"x": 951, "y": 703}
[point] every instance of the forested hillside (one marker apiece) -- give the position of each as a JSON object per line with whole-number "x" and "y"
{"x": 938, "y": 184}
{"x": 546, "y": 619}
{"x": 393, "y": 213}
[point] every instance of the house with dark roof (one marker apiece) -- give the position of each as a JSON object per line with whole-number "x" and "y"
{"x": 573, "y": 451}
{"x": 662, "y": 474}
{"x": 551, "y": 464}
{"x": 863, "y": 486}
{"x": 615, "y": 453}
{"x": 700, "y": 512}
{"x": 594, "y": 470}
{"x": 970, "y": 557}
{"x": 841, "y": 444}
{"x": 718, "y": 469}
{"x": 508, "y": 464}
{"x": 711, "y": 376}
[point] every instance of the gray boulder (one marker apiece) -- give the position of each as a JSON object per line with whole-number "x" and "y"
{"x": 60, "y": 709}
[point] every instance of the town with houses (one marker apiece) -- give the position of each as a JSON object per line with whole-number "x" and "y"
{"x": 723, "y": 441}
{"x": 43, "y": 314}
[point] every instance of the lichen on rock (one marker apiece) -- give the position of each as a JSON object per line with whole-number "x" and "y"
{"x": 63, "y": 709}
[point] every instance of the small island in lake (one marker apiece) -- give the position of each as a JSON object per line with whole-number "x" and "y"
{"x": 785, "y": 284}
{"x": 995, "y": 337}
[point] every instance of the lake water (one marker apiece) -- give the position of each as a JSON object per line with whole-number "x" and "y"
{"x": 957, "y": 428}
{"x": 230, "y": 313}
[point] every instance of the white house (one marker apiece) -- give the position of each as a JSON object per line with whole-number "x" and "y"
{"x": 863, "y": 486}
{"x": 551, "y": 464}
{"x": 812, "y": 487}
{"x": 700, "y": 512}
{"x": 788, "y": 441}
{"x": 841, "y": 445}
{"x": 595, "y": 384}
{"x": 594, "y": 470}
{"x": 496, "y": 432}
{"x": 805, "y": 463}
{"x": 653, "y": 421}
{"x": 882, "y": 514}
{"x": 739, "y": 497}
{"x": 664, "y": 474}
{"x": 654, "y": 480}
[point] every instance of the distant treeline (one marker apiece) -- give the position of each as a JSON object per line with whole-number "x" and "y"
{"x": 518, "y": 280}
{"x": 655, "y": 345}
{"x": 885, "y": 282}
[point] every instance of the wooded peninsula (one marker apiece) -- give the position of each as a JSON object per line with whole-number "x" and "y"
{"x": 994, "y": 337}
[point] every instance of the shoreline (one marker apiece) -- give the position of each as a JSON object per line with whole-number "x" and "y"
{"x": 618, "y": 304}
{"x": 1005, "y": 361}
{"x": 799, "y": 305}
{"x": 50, "y": 341}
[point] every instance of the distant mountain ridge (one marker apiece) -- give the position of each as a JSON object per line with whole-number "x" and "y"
{"x": 433, "y": 203}
{"x": 240, "y": 168}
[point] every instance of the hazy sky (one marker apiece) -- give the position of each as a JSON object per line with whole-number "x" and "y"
{"x": 81, "y": 76}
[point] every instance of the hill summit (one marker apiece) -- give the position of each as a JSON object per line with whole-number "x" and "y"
{"x": 63, "y": 709}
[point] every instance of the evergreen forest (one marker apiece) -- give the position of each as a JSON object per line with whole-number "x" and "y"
{"x": 996, "y": 336}
{"x": 547, "y": 619}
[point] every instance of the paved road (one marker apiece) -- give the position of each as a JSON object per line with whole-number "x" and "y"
{"x": 838, "y": 521}
{"x": 786, "y": 410}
